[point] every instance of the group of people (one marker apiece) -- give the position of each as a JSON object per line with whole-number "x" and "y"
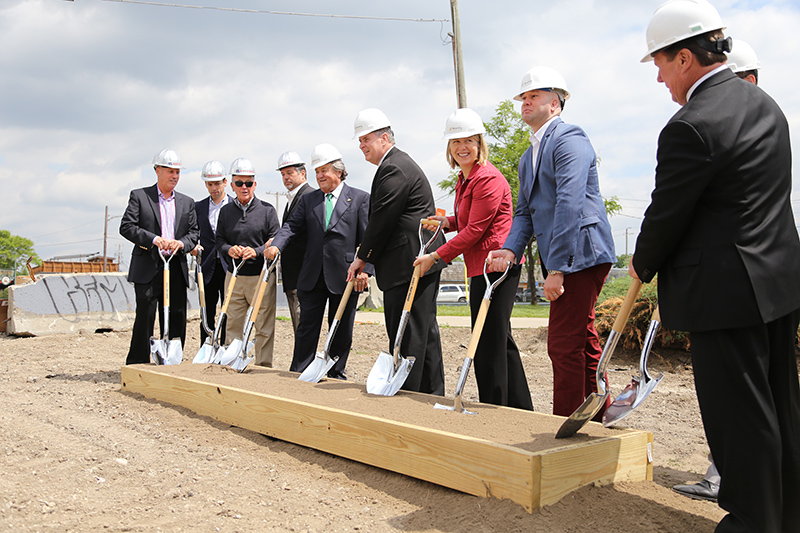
{"x": 719, "y": 232}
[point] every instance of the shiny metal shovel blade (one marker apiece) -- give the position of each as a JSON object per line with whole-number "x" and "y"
{"x": 233, "y": 351}
{"x": 174, "y": 355}
{"x": 590, "y": 406}
{"x": 458, "y": 406}
{"x": 158, "y": 350}
{"x": 383, "y": 379}
{"x": 205, "y": 354}
{"x": 629, "y": 399}
{"x": 241, "y": 362}
{"x": 318, "y": 368}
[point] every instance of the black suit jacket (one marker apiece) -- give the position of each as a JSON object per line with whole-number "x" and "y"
{"x": 329, "y": 252}
{"x": 207, "y": 239}
{"x": 719, "y": 230}
{"x": 292, "y": 254}
{"x": 141, "y": 223}
{"x": 401, "y": 196}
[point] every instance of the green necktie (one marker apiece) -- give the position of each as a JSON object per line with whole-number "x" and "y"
{"x": 328, "y": 209}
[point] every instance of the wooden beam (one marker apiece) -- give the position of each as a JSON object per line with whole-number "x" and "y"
{"x": 468, "y": 464}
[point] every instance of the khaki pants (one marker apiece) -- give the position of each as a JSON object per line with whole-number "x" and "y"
{"x": 294, "y": 307}
{"x": 243, "y": 296}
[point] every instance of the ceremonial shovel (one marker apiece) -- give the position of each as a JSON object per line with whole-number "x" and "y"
{"x": 219, "y": 351}
{"x": 390, "y": 371}
{"x": 640, "y": 386}
{"x": 206, "y": 352}
{"x": 595, "y": 401}
{"x": 473, "y": 341}
{"x": 165, "y": 351}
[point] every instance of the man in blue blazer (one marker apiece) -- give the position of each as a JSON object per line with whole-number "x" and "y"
{"x": 215, "y": 264}
{"x": 559, "y": 201}
{"x": 159, "y": 218}
{"x": 333, "y": 218}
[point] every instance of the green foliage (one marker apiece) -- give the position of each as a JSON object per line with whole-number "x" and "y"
{"x": 613, "y": 207}
{"x": 13, "y": 247}
{"x": 623, "y": 261}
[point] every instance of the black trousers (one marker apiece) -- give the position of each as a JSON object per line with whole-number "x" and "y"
{"x": 498, "y": 366}
{"x": 312, "y": 310}
{"x": 149, "y": 302}
{"x": 215, "y": 293}
{"x": 421, "y": 338}
{"x": 747, "y": 387}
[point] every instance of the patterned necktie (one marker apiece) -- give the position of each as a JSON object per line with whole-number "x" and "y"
{"x": 328, "y": 209}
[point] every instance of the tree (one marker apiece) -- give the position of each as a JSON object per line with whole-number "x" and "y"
{"x": 512, "y": 138}
{"x": 623, "y": 260}
{"x": 13, "y": 247}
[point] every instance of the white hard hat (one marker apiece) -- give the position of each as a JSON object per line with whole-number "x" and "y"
{"x": 324, "y": 154}
{"x": 677, "y": 20}
{"x": 242, "y": 167}
{"x": 543, "y": 78}
{"x": 463, "y": 123}
{"x": 370, "y": 120}
{"x": 213, "y": 171}
{"x": 742, "y": 57}
{"x": 289, "y": 159}
{"x": 167, "y": 158}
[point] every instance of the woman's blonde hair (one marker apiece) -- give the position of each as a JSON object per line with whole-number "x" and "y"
{"x": 483, "y": 151}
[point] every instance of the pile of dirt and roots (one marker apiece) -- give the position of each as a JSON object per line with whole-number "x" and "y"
{"x": 79, "y": 454}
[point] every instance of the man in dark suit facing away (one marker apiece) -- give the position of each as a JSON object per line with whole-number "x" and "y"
{"x": 293, "y": 173}
{"x": 214, "y": 263}
{"x": 400, "y": 197}
{"x": 333, "y": 218}
{"x": 159, "y": 218}
{"x": 721, "y": 235}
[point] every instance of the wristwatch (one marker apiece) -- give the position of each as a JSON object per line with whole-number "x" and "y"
{"x": 555, "y": 272}
{"x": 435, "y": 257}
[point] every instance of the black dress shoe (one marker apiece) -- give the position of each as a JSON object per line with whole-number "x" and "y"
{"x": 705, "y": 490}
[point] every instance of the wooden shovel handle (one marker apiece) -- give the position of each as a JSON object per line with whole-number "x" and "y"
{"x": 228, "y": 295}
{"x": 656, "y": 315}
{"x": 430, "y": 222}
{"x": 166, "y": 287}
{"x": 412, "y": 288}
{"x": 477, "y": 329}
{"x": 201, "y": 287}
{"x": 348, "y": 289}
{"x": 627, "y": 305}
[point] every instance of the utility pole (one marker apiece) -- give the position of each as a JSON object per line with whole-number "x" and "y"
{"x": 626, "y": 240}
{"x": 461, "y": 88}
{"x": 105, "y": 240}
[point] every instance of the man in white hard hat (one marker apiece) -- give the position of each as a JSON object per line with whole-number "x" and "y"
{"x": 333, "y": 218}
{"x": 159, "y": 218}
{"x": 214, "y": 263}
{"x": 744, "y": 63}
{"x": 400, "y": 197}
{"x": 721, "y": 236}
{"x": 293, "y": 173}
{"x": 559, "y": 197}
{"x": 244, "y": 228}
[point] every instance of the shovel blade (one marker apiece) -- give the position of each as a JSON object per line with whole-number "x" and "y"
{"x": 629, "y": 399}
{"x": 205, "y": 354}
{"x": 318, "y": 368}
{"x": 158, "y": 351}
{"x": 241, "y": 362}
{"x": 590, "y": 406}
{"x": 229, "y": 355}
{"x": 174, "y": 354}
{"x": 383, "y": 380}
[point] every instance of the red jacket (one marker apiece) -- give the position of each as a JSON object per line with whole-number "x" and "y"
{"x": 483, "y": 213}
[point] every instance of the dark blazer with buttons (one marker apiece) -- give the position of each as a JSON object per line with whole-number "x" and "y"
{"x": 330, "y": 251}
{"x": 400, "y": 197}
{"x": 141, "y": 223}
{"x": 293, "y": 253}
{"x": 560, "y": 201}
{"x": 719, "y": 230}
{"x": 208, "y": 240}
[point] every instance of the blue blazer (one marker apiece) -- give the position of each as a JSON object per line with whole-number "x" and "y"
{"x": 560, "y": 201}
{"x": 330, "y": 251}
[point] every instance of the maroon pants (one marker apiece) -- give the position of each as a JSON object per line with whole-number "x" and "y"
{"x": 572, "y": 341}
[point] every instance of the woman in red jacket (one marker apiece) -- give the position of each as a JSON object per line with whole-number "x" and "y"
{"x": 483, "y": 212}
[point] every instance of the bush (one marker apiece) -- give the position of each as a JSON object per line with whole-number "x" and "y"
{"x": 609, "y": 302}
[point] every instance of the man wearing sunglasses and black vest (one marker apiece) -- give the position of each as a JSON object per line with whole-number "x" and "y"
{"x": 244, "y": 228}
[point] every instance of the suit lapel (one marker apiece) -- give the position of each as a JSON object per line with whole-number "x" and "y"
{"x": 319, "y": 210}
{"x": 152, "y": 194}
{"x": 341, "y": 205}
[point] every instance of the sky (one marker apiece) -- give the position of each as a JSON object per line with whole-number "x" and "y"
{"x": 90, "y": 90}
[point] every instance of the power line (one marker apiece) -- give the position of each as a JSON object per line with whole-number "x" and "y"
{"x": 67, "y": 243}
{"x": 261, "y": 11}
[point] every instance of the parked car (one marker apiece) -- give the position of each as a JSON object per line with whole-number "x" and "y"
{"x": 451, "y": 293}
{"x": 525, "y": 296}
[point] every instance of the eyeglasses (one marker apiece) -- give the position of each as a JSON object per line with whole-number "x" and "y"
{"x": 247, "y": 184}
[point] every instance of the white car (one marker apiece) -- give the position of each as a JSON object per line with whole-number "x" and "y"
{"x": 451, "y": 293}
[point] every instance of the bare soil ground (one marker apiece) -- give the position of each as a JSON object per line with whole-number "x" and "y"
{"x": 77, "y": 454}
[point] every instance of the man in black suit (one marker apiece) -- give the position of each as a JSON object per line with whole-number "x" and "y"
{"x": 159, "y": 218}
{"x": 721, "y": 235}
{"x": 333, "y": 218}
{"x": 400, "y": 197}
{"x": 293, "y": 174}
{"x": 214, "y": 263}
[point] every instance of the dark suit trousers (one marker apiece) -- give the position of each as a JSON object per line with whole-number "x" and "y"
{"x": 312, "y": 310}
{"x": 747, "y": 387}
{"x": 149, "y": 303}
{"x": 421, "y": 338}
{"x": 215, "y": 293}
{"x": 572, "y": 341}
{"x": 498, "y": 366}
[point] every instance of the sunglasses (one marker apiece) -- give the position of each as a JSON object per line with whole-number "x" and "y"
{"x": 247, "y": 184}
